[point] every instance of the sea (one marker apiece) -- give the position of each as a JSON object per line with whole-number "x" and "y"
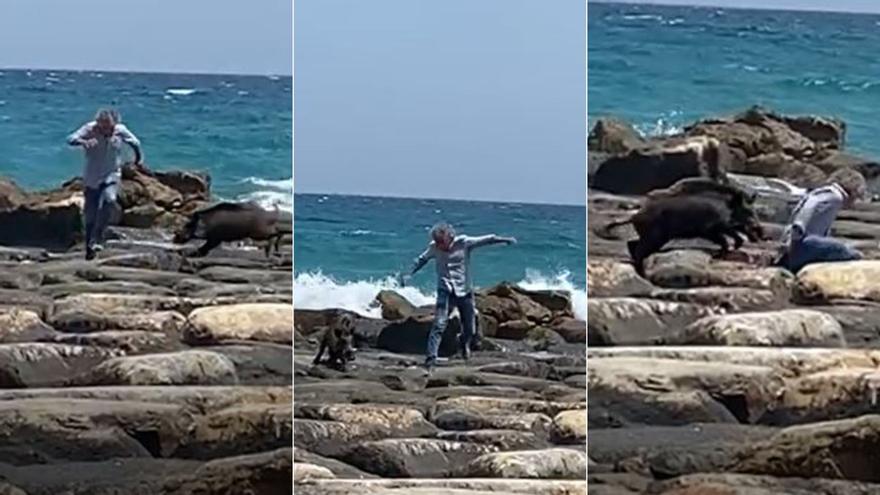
{"x": 348, "y": 248}
{"x": 662, "y": 67}
{"x": 236, "y": 128}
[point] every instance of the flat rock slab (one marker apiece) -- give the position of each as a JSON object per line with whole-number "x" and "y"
{"x": 412, "y": 457}
{"x": 47, "y": 364}
{"x": 632, "y": 321}
{"x": 850, "y": 280}
{"x": 22, "y": 325}
{"x": 530, "y": 464}
{"x": 193, "y": 367}
{"x": 786, "y": 328}
{"x": 451, "y": 486}
{"x": 741, "y": 484}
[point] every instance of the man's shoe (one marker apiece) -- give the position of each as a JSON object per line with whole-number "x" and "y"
{"x": 466, "y": 352}
{"x": 429, "y": 368}
{"x": 90, "y": 254}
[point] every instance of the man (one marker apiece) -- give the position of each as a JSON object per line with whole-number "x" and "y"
{"x": 452, "y": 255}
{"x": 806, "y": 240}
{"x": 102, "y": 140}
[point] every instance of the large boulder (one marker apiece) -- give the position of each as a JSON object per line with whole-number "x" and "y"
{"x": 394, "y": 306}
{"x": 52, "y": 222}
{"x": 636, "y": 321}
{"x": 410, "y": 336}
{"x": 569, "y": 427}
{"x": 662, "y": 165}
{"x": 608, "y": 278}
{"x": 11, "y": 196}
{"x": 265, "y": 322}
{"x": 613, "y": 136}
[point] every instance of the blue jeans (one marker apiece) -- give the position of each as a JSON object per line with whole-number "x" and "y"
{"x": 446, "y": 300}
{"x": 817, "y": 249}
{"x": 100, "y": 202}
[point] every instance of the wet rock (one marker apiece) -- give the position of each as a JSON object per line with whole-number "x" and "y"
{"x": 740, "y": 484}
{"x": 52, "y": 222}
{"x": 412, "y": 457}
{"x": 236, "y": 430}
{"x": 571, "y": 330}
{"x": 46, "y": 364}
{"x": 793, "y": 327}
{"x": 128, "y": 341}
{"x": 263, "y": 322}
{"x": 410, "y": 336}
{"x": 530, "y": 464}
{"x": 194, "y": 367}
{"x": 258, "y": 363}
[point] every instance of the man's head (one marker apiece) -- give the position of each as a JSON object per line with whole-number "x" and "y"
{"x": 852, "y": 182}
{"x": 442, "y": 234}
{"x": 106, "y": 120}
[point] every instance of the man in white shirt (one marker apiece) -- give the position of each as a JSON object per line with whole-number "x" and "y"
{"x": 102, "y": 141}
{"x": 452, "y": 254}
{"x": 806, "y": 239}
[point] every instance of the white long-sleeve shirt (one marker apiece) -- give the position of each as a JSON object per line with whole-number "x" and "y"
{"x": 103, "y": 160}
{"x": 453, "y": 266}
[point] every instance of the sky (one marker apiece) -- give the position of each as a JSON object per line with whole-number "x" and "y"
{"x": 194, "y": 36}
{"x": 456, "y": 99}
{"x": 864, "y": 6}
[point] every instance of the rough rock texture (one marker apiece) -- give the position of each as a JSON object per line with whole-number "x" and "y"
{"x": 384, "y": 418}
{"x": 102, "y": 390}
{"x": 723, "y": 375}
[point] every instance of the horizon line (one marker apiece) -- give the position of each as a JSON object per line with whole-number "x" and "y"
{"x": 146, "y": 72}
{"x": 394, "y": 196}
{"x": 670, "y": 3}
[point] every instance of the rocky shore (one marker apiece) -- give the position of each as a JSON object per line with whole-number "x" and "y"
{"x": 509, "y": 420}
{"x": 144, "y": 371}
{"x": 725, "y": 375}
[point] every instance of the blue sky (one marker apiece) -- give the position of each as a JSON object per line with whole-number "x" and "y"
{"x": 203, "y": 36}
{"x": 444, "y": 99}
{"x": 865, "y": 6}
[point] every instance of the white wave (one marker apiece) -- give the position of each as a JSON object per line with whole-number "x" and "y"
{"x": 318, "y": 291}
{"x": 314, "y": 290}
{"x": 660, "y": 127}
{"x": 535, "y": 280}
{"x": 180, "y": 91}
{"x": 280, "y": 184}
{"x": 269, "y": 199}
{"x": 643, "y": 17}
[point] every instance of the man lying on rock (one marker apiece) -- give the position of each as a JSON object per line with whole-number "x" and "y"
{"x": 452, "y": 255}
{"x": 806, "y": 239}
{"x": 102, "y": 140}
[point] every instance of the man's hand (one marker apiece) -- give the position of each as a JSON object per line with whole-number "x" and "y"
{"x": 509, "y": 240}
{"x": 403, "y": 279}
{"x": 88, "y": 143}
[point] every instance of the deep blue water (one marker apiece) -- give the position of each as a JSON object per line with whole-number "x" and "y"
{"x": 348, "y": 247}
{"x": 237, "y": 128}
{"x": 662, "y": 67}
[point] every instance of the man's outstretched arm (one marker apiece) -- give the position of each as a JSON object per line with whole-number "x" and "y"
{"x": 488, "y": 240}
{"x": 418, "y": 264}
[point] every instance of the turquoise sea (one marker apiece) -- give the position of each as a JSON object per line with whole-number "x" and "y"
{"x": 237, "y": 128}
{"x": 662, "y": 67}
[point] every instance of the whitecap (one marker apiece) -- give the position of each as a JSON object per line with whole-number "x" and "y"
{"x": 643, "y": 17}
{"x": 243, "y": 93}
{"x": 561, "y": 281}
{"x": 180, "y": 91}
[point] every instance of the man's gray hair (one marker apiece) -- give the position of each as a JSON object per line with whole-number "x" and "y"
{"x": 440, "y": 229}
{"x": 108, "y": 113}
